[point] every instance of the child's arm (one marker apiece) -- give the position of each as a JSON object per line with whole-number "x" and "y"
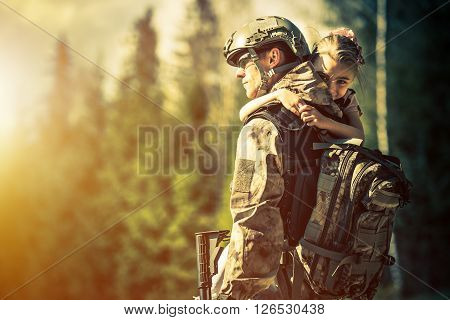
{"x": 308, "y": 114}
{"x": 253, "y": 105}
{"x": 313, "y": 117}
{"x": 289, "y": 100}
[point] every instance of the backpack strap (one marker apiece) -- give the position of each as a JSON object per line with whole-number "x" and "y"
{"x": 336, "y": 144}
{"x": 300, "y": 166}
{"x": 338, "y": 259}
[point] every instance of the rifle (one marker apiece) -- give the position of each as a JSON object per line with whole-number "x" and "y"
{"x": 208, "y": 253}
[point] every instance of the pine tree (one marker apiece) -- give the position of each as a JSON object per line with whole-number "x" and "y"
{"x": 144, "y": 251}
{"x": 56, "y": 123}
{"x": 198, "y": 197}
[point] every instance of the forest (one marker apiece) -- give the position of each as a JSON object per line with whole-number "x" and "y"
{"x": 101, "y": 193}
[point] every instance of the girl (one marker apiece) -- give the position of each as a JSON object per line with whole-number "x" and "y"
{"x": 337, "y": 58}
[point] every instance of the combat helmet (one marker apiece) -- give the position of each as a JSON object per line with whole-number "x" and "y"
{"x": 262, "y": 32}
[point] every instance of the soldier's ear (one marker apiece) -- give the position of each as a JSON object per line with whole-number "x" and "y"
{"x": 274, "y": 57}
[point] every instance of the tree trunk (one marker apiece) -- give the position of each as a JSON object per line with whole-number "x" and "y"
{"x": 382, "y": 135}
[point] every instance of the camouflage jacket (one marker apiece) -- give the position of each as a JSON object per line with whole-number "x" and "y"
{"x": 257, "y": 233}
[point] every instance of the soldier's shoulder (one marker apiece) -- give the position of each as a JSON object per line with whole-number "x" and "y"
{"x": 260, "y": 125}
{"x": 260, "y": 134}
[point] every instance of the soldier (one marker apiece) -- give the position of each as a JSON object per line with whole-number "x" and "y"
{"x": 270, "y": 53}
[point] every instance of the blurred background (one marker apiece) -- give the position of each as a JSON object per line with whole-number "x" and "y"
{"x": 77, "y": 78}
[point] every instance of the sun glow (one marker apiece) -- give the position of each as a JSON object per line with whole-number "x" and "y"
{"x": 8, "y": 99}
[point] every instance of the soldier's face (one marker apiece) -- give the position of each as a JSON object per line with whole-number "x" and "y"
{"x": 251, "y": 78}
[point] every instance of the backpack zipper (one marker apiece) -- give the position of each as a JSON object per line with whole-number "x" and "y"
{"x": 360, "y": 173}
{"x": 375, "y": 186}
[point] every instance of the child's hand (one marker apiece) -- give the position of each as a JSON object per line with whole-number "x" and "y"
{"x": 312, "y": 117}
{"x": 290, "y": 100}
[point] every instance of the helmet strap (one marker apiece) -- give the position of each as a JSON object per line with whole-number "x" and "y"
{"x": 265, "y": 76}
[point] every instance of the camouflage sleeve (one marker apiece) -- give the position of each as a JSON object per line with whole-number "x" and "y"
{"x": 257, "y": 232}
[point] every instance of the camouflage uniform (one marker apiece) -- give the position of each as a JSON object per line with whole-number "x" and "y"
{"x": 257, "y": 234}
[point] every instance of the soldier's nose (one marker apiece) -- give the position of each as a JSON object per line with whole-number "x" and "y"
{"x": 240, "y": 73}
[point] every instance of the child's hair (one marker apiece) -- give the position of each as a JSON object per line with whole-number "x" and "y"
{"x": 342, "y": 46}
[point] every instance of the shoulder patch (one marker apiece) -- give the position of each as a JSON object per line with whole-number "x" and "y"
{"x": 244, "y": 175}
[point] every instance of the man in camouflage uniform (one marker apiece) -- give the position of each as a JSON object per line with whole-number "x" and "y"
{"x": 265, "y": 52}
